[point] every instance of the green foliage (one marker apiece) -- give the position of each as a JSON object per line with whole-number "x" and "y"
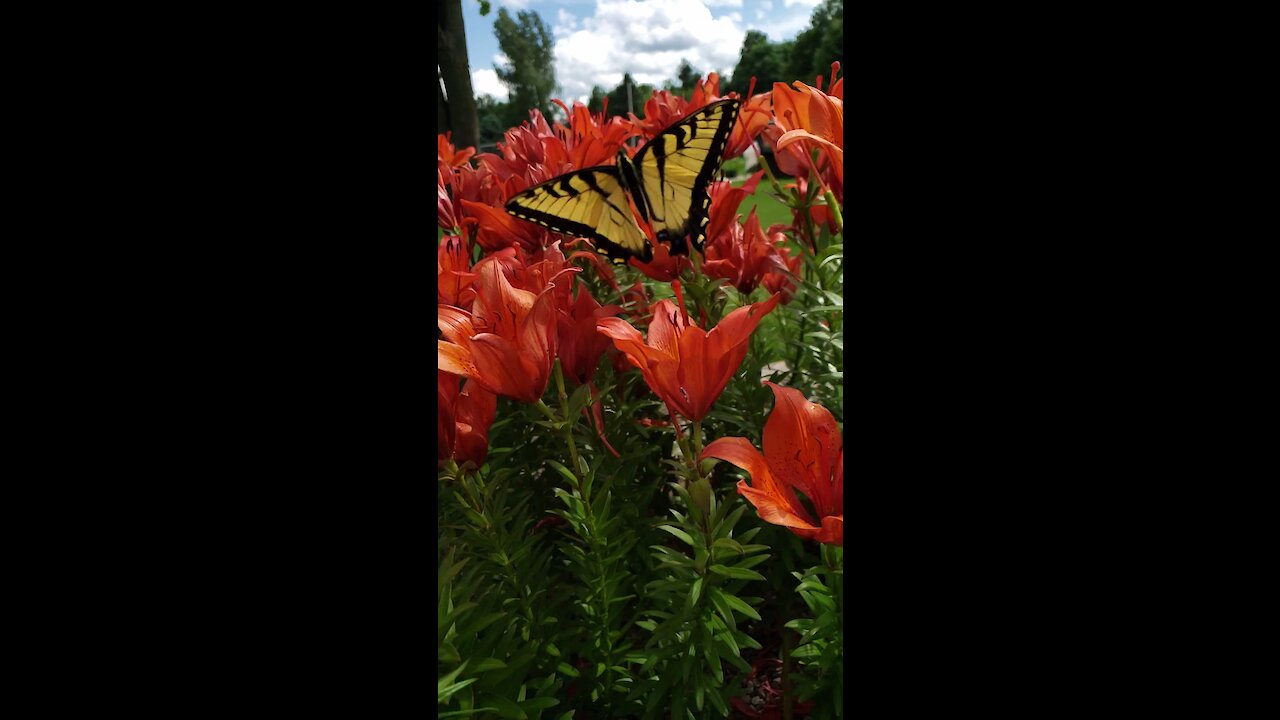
{"x": 821, "y": 651}
{"x": 494, "y": 652}
{"x": 618, "y": 98}
{"x": 803, "y": 59}
{"x": 694, "y": 604}
{"x": 530, "y": 75}
{"x": 761, "y": 59}
{"x": 819, "y": 45}
{"x": 493, "y": 115}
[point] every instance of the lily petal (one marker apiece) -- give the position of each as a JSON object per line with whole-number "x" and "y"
{"x": 802, "y": 442}
{"x": 775, "y": 502}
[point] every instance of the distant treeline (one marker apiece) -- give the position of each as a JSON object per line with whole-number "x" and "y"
{"x": 806, "y": 57}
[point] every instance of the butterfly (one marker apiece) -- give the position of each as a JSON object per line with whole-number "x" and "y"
{"x": 666, "y": 179}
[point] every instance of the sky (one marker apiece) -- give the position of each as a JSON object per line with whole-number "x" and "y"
{"x": 596, "y": 41}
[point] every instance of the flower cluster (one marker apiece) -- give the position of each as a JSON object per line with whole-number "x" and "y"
{"x": 514, "y": 311}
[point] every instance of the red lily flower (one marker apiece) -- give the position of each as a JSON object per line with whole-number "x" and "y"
{"x": 664, "y": 267}
{"x": 453, "y": 276}
{"x": 580, "y": 345}
{"x": 803, "y": 451}
{"x": 580, "y": 348}
{"x": 463, "y": 419}
{"x": 496, "y": 229}
{"x": 447, "y": 218}
{"x": 753, "y": 118}
{"x": 602, "y": 268}
{"x": 506, "y": 343}
{"x": 743, "y": 255}
{"x": 810, "y": 117}
{"x": 446, "y": 152}
{"x": 783, "y": 282}
{"x": 661, "y": 110}
{"x": 686, "y": 366}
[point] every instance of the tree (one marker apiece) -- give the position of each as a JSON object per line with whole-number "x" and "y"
{"x": 761, "y": 59}
{"x": 596, "y": 102}
{"x": 457, "y": 100}
{"x": 820, "y": 44}
{"x": 530, "y": 74}
{"x": 493, "y": 115}
{"x": 687, "y": 75}
{"x": 618, "y": 97}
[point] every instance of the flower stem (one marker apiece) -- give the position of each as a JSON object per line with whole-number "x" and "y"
{"x": 568, "y": 421}
{"x": 834, "y": 209}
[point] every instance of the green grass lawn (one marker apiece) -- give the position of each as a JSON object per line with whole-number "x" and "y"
{"x": 767, "y": 206}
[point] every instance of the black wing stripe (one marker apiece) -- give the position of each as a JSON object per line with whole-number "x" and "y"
{"x": 713, "y": 145}
{"x": 617, "y": 253}
{"x": 591, "y": 183}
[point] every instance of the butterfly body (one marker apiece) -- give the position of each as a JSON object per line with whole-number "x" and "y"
{"x": 666, "y": 179}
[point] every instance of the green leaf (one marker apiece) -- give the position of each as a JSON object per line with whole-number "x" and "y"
{"x": 506, "y": 708}
{"x": 460, "y": 713}
{"x": 679, "y": 534}
{"x": 718, "y": 701}
{"x": 740, "y": 606}
{"x": 578, "y": 400}
{"x": 727, "y": 545}
{"x": 539, "y": 703}
{"x": 736, "y": 573}
{"x": 488, "y": 664}
{"x": 567, "y": 669}
{"x": 564, "y": 472}
{"x": 444, "y": 693}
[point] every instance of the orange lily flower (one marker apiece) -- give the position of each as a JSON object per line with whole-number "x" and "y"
{"x": 807, "y": 114}
{"x": 453, "y": 273}
{"x": 783, "y": 282}
{"x": 803, "y": 451}
{"x": 451, "y": 157}
{"x": 463, "y": 419}
{"x": 753, "y": 118}
{"x": 508, "y": 340}
{"x": 686, "y": 366}
{"x": 580, "y": 345}
{"x": 446, "y": 218}
{"x": 664, "y": 267}
{"x": 743, "y": 255}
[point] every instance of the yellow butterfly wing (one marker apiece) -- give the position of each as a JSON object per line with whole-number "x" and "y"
{"x": 589, "y": 203}
{"x": 675, "y": 168}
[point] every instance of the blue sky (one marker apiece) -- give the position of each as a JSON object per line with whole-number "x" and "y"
{"x": 598, "y": 40}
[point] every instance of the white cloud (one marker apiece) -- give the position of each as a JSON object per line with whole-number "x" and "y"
{"x": 735, "y": 16}
{"x": 647, "y": 40}
{"x": 806, "y": 3}
{"x": 786, "y": 27}
{"x": 722, "y": 3}
{"x": 485, "y": 82}
{"x": 766, "y": 4}
{"x": 517, "y": 4}
{"x": 566, "y": 22}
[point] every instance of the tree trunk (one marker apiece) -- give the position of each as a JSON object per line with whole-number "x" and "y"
{"x": 456, "y": 72}
{"x": 442, "y": 106}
